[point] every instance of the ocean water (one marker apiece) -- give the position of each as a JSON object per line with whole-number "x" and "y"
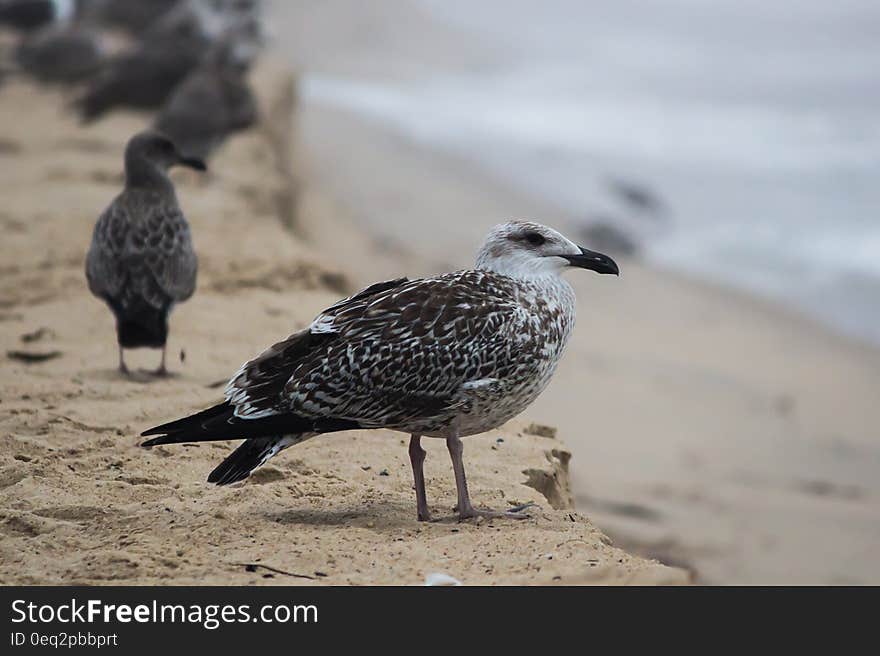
{"x": 751, "y": 130}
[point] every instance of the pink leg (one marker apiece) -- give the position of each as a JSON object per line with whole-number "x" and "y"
{"x": 417, "y": 458}
{"x": 465, "y": 508}
{"x": 162, "y": 371}
{"x": 122, "y": 368}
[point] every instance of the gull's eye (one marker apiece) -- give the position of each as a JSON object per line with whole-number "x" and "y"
{"x": 535, "y": 238}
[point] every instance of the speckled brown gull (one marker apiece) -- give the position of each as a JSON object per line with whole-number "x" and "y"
{"x": 141, "y": 261}
{"x": 449, "y": 356}
{"x": 214, "y": 102}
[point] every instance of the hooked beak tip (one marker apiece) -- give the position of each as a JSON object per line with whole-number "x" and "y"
{"x": 194, "y": 163}
{"x": 598, "y": 262}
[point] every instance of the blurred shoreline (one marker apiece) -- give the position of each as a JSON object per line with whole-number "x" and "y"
{"x": 682, "y": 147}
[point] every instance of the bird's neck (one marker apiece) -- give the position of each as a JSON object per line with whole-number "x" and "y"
{"x": 551, "y": 285}
{"x": 140, "y": 172}
{"x": 551, "y": 300}
{"x": 533, "y": 276}
{"x": 547, "y": 289}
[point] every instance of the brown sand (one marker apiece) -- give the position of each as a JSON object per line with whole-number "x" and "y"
{"x": 81, "y": 502}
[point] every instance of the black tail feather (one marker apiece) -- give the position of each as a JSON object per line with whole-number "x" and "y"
{"x": 221, "y": 423}
{"x": 193, "y": 423}
{"x": 141, "y": 326}
{"x": 249, "y": 455}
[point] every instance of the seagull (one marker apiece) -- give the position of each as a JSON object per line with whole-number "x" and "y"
{"x": 146, "y": 76}
{"x": 141, "y": 261}
{"x": 142, "y": 78}
{"x": 446, "y": 357}
{"x": 66, "y": 54}
{"x": 214, "y": 102}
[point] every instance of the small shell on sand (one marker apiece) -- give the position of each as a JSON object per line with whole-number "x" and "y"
{"x": 439, "y": 578}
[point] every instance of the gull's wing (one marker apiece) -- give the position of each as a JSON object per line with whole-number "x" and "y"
{"x": 142, "y": 248}
{"x": 256, "y": 388}
{"x": 255, "y": 406}
{"x": 104, "y": 270}
{"x": 394, "y": 353}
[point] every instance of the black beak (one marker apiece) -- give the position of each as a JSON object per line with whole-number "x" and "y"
{"x": 193, "y": 163}
{"x": 593, "y": 261}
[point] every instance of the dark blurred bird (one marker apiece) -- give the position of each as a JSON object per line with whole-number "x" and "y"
{"x": 65, "y": 54}
{"x": 638, "y": 196}
{"x": 141, "y": 79}
{"x": 237, "y": 22}
{"x": 133, "y": 16}
{"x": 141, "y": 261}
{"x": 27, "y": 15}
{"x": 145, "y": 77}
{"x": 214, "y": 102}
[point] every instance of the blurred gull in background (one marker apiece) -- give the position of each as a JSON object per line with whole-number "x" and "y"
{"x": 213, "y": 102}
{"x": 174, "y": 46}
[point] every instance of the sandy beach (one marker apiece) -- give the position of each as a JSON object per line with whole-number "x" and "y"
{"x": 701, "y": 435}
{"x": 82, "y": 503}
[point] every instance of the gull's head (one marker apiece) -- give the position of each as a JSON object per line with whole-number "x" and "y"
{"x": 523, "y": 249}
{"x": 152, "y": 148}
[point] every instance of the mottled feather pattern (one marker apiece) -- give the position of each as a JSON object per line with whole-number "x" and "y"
{"x": 472, "y": 346}
{"x": 142, "y": 252}
{"x": 256, "y": 388}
